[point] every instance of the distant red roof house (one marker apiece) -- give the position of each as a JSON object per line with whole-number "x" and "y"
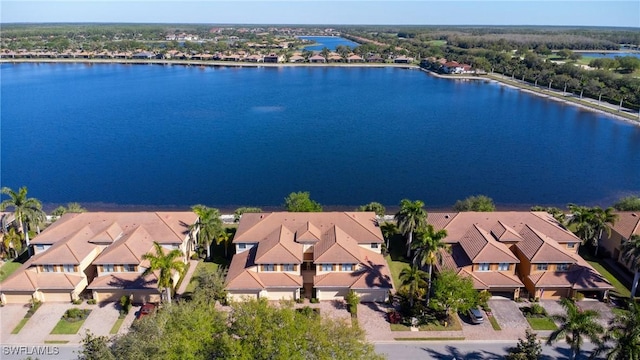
{"x": 322, "y": 255}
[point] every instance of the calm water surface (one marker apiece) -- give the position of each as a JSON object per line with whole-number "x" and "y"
{"x": 608, "y": 55}
{"x": 224, "y": 136}
{"x": 329, "y": 42}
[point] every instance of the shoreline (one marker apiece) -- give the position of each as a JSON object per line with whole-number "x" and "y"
{"x": 554, "y": 95}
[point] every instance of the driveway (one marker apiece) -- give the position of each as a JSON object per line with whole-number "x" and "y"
{"x": 10, "y": 316}
{"x": 553, "y": 307}
{"x": 509, "y": 317}
{"x": 37, "y": 329}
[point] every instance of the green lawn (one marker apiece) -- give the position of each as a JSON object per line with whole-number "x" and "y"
{"x": 116, "y": 327}
{"x": 429, "y": 339}
{"x": 399, "y": 327}
{"x": 544, "y": 323}
{"x": 56, "y": 341}
{"x": 8, "y": 268}
{"x": 202, "y": 266}
{"x": 437, "y": 42}
{"x": 65, "y": 327}
{"x": 454, "y": 325}
{"x": 494, "y": 323}
{"x": 19, "y": 326}
{"x": 621, "y": 289}
{"x": 396, "y": 258}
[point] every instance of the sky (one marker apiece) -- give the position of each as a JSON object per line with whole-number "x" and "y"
{"x": 338, "y": 12}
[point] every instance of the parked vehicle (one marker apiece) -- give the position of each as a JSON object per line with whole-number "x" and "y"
{"x": 145, "y": 310}
{"x": 476, "y": 316}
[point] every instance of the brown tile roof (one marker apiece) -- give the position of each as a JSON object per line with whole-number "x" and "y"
{"x": 539, "y": 248}
{"x": 128, "y": 249}
{"x": 628, "y": 223}
{"x": 481, "y": 247}
{"x": 336, "y": 247}
{"x": 239, "y": 277}
{"x": 308, "y": 233}
{"x": 361, "y": 226}
{"x": 504, "y": 233}
{"x": 477, "y": 284}
{"x": 126, "y": 280}
{"x": 498, "y": 279}
{"x": 580, "y": 276}
{"x": 279, "y": 248}
{"x": 30, "y": 280}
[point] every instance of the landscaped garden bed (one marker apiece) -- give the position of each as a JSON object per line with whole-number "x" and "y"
{"x": 538, "y": 318}
{"x": 32, "y": 309}
{"x": 71, "y": 321}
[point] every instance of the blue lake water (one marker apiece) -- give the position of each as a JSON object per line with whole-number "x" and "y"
{"x": 329, "y": 42}
{"x": 608, "y": 55}
{"x": 227, "y": 136}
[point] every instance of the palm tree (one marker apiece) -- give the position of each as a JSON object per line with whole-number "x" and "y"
{"x": 414, "y": 282}
{"x": 12, "y": 243}
{"x": 410, "y": 217}
{"x": 631, "y": 255}
{"x": 576, "y": 325}
{"x": 428, "y": 244}
{"x": 602, "y": 220}
{"x": 209, "y": 225}
{"x": 26, "y": 210}
{"x": 166, "y": 264}
{"x": 224, "y": 237}
{"x": 622, "y": 339}
{"x": 582, "y": 219}
{"x": 388, "y": 230}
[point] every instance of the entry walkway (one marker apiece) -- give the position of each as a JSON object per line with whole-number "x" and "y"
{"x": 193, "y": 264}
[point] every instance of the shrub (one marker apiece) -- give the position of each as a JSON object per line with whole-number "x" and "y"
{"x": 77, "y": 301}
{"x": 308, "y": 311}
{"x": 300, "y": 300}
{"x": 91, "y": 301}
{"x": 537, "y": 309}
{"x": 352, "y": 300}
{"x": 394, "y": 317}
{"x": 75, "y": 314}
{"x": 314, "y": 300}
{"x": 125, "y": 302}
{"x": 579, "y": 297}
{"x": 194, "y": 256}
{"x": 483, "y": 298}
{"x": 33, "y": 306}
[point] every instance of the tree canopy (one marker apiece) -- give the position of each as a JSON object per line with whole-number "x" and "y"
{"x": 475, "y": 203}
{"x": 453, "y": 293}
{"x": 629, "y": 203}
{"x": 376, "y": 207}
{"x": 301, "y": 202}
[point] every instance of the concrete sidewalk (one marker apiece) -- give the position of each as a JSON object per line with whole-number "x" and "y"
{"x": 193, "y": 264}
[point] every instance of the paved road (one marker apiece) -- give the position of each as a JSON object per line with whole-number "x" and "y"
{"x": 468, "y": 350}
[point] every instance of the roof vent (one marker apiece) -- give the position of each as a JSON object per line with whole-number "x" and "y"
{"x": 634, "y": 214}
{"x": 446, "y": 216}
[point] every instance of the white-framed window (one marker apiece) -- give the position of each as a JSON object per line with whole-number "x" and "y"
{"x": 503, "y": 266}
{"x": 268, "y": 267}
{"x": 327, "y": 267}
{"x": 242, "y": 246}
{"x": 483, "y": 267}
{"x": 347, "y": 267}
{"x": 40, "y": 247}
{"x": 107, "y": 268}
{"x": 68, "y": 268}
{"x": 542, "y": 267}
{"x": 571, "y": 245}
{"x": 287, "y": 267}
{"x": 129, "y": 268}
{"x": 562, "y": 267}
{"x": 47, "y": 268}
{"x": 374, "y": 246}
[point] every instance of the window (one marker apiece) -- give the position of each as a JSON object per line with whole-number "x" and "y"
{"x": 327, "y": 267}
{"x": 571, "y": 245}
{"x": 47, "y": 268}
{"x": 40, "y": 247}
{"x": 562, "y": 267}
{"x": 268, "y": 267}
{"x": 374, "y": 246}
{"x": 68, "y": 268}
{"x": 107, "y": 268}
{"x": 287, "y": 267}
{"x": 242, "y": 246}
{"x": 541, "y": 267}
{"x": 483, "y": 267}
{"x": 347, "y": 267}
{"x": 130, "y": 268}
{"x": 503, "y": 266}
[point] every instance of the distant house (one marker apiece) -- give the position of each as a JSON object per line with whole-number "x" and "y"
{"x": 101, "y": 252}
{"x": 452, "y": 67}
{"x": 402, "y": 60}
{"x": 272, "y": 58}
{"x": 507, "y": 253}
{"x": 334, "y": 58}
{"x": 317, "y": 59}
{"x": 375, "y": 59}
{"x": 143, "y": 55}
{"x": 296, "y": 59}
{"x": 355, "y": 59}
{"x": 253, "y": 58}
{"x": 627, "y": 225}
{"x": 324, "y": 255}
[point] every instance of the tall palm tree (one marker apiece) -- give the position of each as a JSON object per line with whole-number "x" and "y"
{"x": 428, "y": 244}
{"x": 209, "y": 225}
{"x": 410, "y": 217}
{"x": 166, "y": 263}
{"x": 388, "y": 230}
{"x": 631, "y": 255}
{"x": 602, "y": 220}
{"x": 26, "y": 210}
{"x": 576, "y": 325}
{"x": 622, "y": 339}
{"x": 11, "y": 243}
{"x": 582, "y": 220}
{"x": 224, "y": 237}
{"x": 414, "y": 282}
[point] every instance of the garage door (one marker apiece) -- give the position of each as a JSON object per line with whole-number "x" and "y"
{"x": 55, "y": 296}
{"x": 372, "y": 295}
{"x": 554, "y": 294}
{"x": 139, "y": 297}
{"x": 241, "y": 296}
{"x": 331, "y": 294}
{"x": 17, "y": 298}
{"x": 503, "y": 294}
{"x": 281, "y": 294}
{"x": 108, "y": 296}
